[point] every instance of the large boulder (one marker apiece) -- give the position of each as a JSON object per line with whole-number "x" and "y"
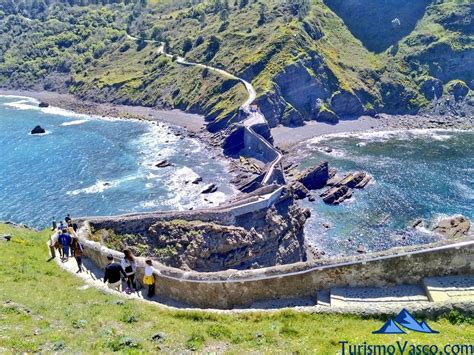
{"x": 315, "y": 178}
{"x": 38, "y": 130}
{"x": 453, "y": 227}
{"x": 346, "y": 104}
{"x": 43, "y": 104}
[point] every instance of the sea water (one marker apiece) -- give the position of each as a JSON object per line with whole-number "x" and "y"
{"x": 89, "y": 166}
{"x": 427, "y": 174}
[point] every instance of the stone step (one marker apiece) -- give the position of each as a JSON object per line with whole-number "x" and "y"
{"x": 323, "y": 298}
{"x": 353, "y": 296}
{"x": 444, "y": 288}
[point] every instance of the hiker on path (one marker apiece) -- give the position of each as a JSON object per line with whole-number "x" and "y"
{"x": 65, "y": 240}
{"x": 53, "y": 245}
{"x": 149, "y": 279}
{"x": 130, "y": 267}
{"x": 78, "y": 251}
{"x": 113, "y": 272}
{"x": 68, "y": 218}
{"x": 54, "y": 225}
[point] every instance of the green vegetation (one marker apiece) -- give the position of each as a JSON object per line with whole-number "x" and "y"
{"x": 293, "y": 51}
{"x": 44, "y": 309}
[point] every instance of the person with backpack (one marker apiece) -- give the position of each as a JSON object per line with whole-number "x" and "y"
{"x": 130, "y": 267}
{"x": 78, "y": 251}
{"x": 64, "y": 240}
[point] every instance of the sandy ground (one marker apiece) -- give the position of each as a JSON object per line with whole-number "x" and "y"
{"x": 191, "y": 122}
{"x": 286, "y": 137}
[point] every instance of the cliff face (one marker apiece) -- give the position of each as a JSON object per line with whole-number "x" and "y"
{"x": 270, "y": 237}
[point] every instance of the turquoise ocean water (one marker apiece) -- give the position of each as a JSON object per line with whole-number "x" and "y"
{"x": 417, "y": 174}
{"x": 94, "y": 166}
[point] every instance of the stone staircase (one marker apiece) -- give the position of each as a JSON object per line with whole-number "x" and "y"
{"x": 432, "y": 289}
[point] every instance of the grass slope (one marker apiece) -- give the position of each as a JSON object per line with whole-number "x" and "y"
{"x": 44, "y": 309}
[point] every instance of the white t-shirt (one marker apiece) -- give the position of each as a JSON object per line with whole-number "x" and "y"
{"x": 148, "y": 270}
{"x": 126, "y": 263}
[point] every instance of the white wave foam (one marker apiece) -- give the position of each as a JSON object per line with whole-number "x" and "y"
{"x": 466, "y": 191}
{"x": 435, "y": 134}
{"x": 101, "y": 186}
{"x": 40, "y": 134}
{"x": 74, "y": 123}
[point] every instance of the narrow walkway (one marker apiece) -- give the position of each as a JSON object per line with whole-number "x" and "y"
{"x": 254, "y": 117}
{"x": 455, "y": 290}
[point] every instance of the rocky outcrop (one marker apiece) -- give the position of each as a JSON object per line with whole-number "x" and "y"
{"x": 234, "y": 141}
{"x": 453, "y": 227}
{"x": 163, "y": 164}
{"x": 326, "y": 115}
{"x": 458, "y": 89}
{"x": 38, "y": 130}
{"x": 337, "y": 194}
{"x": 341, "y": 188}
{"x": 346, "y": 104}
{"x": 210, "y": 189}
{"x": 43, "y": 104}
{"x": 300, "y": 192}
{"x": 315, "y": 178}
{"x": 268, "y": 237}
{"x": 432, "y": 88}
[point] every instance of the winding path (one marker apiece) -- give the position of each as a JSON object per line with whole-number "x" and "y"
{"x": 253, "y": 117}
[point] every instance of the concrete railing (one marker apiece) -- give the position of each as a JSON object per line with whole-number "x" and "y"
{"x": 232, "y": 288}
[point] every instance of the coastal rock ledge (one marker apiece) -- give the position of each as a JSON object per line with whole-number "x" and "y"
{"x": 453, "y": 227}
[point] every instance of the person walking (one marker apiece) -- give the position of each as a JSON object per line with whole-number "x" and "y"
{"x": 65, "y": 241}
{"x": 148, "y": 278}
{"x": 54, "y": 225}
{"x": 53, "y": 244}
{"x": 113, "y": 272}
{"x": 130, "y": 267}
{"x": 78, "y": 251}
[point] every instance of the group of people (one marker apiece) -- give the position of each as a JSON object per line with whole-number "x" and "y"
{"x": 65, "y": 241}
{"x": 127, "y": 268}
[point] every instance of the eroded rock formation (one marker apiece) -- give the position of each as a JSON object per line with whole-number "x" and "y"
{"x": 268, "y": 237}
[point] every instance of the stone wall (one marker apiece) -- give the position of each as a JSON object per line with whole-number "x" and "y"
{"x": 231, "y": 288}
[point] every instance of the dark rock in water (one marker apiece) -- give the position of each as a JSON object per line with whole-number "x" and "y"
{"x": 299, "y": 191}
{"x": 357, "y": 180}
{"x": 43, "y": 104}
{"x": 38, "y": 130}
{"x": 106, "y": 183}
{"x": 453, "y": 227}
{"x": 417, "y": 223}
{"x": 327, "y": 150}
{"x": 361, "y": 249}
{"x": 210, "y": 189}
{"x": 337, "y": 194}
{"x": 344, "y": 103}
{"x": 197, "y": 180}
{"x": 311, "y": 198}
{"x": 315, "y": 178}
{"x": 163, "y": 164}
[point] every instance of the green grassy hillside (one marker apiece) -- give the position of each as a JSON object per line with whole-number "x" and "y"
{"x": 45, "y": 309}
{"x": 303, "y": 56}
